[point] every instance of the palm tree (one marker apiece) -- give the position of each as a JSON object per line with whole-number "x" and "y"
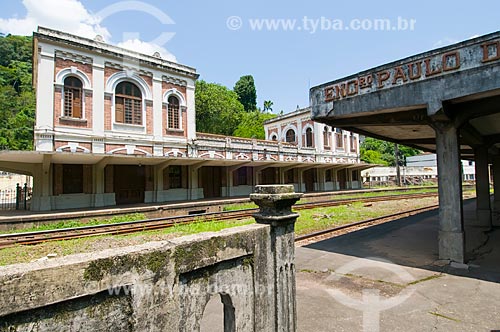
{"x": 268, "y": 106}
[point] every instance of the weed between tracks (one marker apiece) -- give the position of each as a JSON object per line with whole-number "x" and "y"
{"x": 78, "y": 223}
{"x": 309, "y": 221}
{"x": 251, "y": 205}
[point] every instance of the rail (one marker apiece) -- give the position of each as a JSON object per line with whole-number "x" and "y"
{"x": 30, "y": 238}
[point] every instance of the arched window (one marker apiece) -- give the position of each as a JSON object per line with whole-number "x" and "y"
{"x": 290, "y": 136}
{"x": 309, "y": 138}
{"x": 339, "y": 138}
{"x": 173, "y": 113}
{"x": 128, "y": 104}
{"x": 353, "y": 143}
{"x": 274, "y": 137}
{"x": 72, "y": 97}
{"x": 326, "y": 137}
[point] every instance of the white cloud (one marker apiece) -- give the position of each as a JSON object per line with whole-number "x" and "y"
{"x": 65, "y": 15}
{"x": 72, "y": 17}
{"x": 147, "y": 48}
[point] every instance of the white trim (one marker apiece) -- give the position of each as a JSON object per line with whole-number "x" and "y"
{"x": 128, "y": 76}
{"x": 305, "y": 128}
{"x": 86, "y": 86}
{"x": 182, "y": 104}
{"x": 73, "y": 147}
{"x": 176, "y": 93}
{"x": 290, "y": 126}
{"x": 132, "y": 77}
{"x": 304, "y": 133}
{"x": 242, "y": 156}
{"x": 129, "y": 150}
{"x": 175, "y": 153}
{"x": 212, "y": 155}
{"x": 73, "y": 71}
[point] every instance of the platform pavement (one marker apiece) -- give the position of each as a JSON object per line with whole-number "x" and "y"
{"x": 440, "y": 297}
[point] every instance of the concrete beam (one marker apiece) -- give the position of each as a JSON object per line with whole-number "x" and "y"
{"x": 430, "y": 140}
{"x": 463, "y": 113}
{"x": 471, "y": 136}
{"x": 384, "y": 138}
{"x": 415, "y": 117}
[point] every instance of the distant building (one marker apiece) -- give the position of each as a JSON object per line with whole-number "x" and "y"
{"x": 115, "y": 127}
{"x": 418, "y": 169}
{"x": 330, "y": 145}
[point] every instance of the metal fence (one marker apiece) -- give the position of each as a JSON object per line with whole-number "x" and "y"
{"x": 16, "y": 199}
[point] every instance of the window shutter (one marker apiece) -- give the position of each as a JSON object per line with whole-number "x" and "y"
{"x": 119, "y": 110}
{"x": 77, "y": 104}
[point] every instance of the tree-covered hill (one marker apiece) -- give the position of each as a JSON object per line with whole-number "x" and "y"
{"x": 17, "y": 98}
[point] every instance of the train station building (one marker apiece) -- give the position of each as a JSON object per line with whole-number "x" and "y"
{"x": 115, "y": 127}
{"x": 445, "y": 101}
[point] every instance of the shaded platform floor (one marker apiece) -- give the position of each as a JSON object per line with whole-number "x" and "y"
{"x": 441, "y": 297}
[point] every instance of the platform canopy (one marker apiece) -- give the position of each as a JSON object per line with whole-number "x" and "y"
{"x": 405, "y": 100}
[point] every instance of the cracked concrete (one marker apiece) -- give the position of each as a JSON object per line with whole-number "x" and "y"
{"x": 442, "y": 299}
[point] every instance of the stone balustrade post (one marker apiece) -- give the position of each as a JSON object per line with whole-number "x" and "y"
{"x": 275, "y": 203}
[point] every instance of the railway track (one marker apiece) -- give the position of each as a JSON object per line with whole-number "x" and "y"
{"x": 343, "y": 229}
{"x": 30, "y": 238}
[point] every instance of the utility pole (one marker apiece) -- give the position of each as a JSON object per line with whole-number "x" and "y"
{"x": 398, "y": 169}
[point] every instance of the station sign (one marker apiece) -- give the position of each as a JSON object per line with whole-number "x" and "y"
{"x": 415, "y": 69}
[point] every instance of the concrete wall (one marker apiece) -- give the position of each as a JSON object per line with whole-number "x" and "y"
{"x": 158, "y": 286}
{"x": 165, "y": 286}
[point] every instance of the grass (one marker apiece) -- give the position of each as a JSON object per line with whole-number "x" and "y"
{"x": 309, "y": 221}
{"x": 242, "y": 206}
{"x": 78, "y": 223}
{"x": 417, "y": 190}
{"x": 378, "y": 194}
{"x": 23, "y": 254}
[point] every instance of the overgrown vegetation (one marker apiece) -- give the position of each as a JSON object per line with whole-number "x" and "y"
{"x": 222, "y": 111}
{"x": 309, "y": 221}
{"x": 375, "y": 151}
{"x": 78, "y": 223}
{"x": 17, "y": 98}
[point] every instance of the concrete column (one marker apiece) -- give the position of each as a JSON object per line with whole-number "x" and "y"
{"x": 44, "y": 115}
{"x": 483, "y": 204}
{"x": 45, "y": 91}
{"x": 451, "y": 227}
{"x": 98, "y": 84}
{"x": 157, "y": 111}
{"x": 191, "y": 112}
{"x": 496, "y": 187}
{"x": 335, "y": 179}
{"x": 98, "y": 178}
{"x": 318, "y": 137}
{"x": 282, "y": 175}
{"x": 300, "y": 179}
{"x": 321, "y": 179}
{"x": 193, "y": 182}
{"x": 275, "y": 203}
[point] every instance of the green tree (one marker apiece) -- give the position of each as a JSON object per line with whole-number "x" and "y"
{"x": 247, "y": 94}
{"x": 218, "y": 110}
{"x": 268, "y": 106}
{"x": 17, "y": 98}
{"x": 252, "y": 125}
{"x": 372, "y": 157}
{"x": 376, "y": 151}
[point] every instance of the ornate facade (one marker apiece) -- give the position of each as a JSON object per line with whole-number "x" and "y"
{"x": 115, "y": 127}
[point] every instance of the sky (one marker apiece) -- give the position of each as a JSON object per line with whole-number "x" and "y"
{"x": 287, "y": 47}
